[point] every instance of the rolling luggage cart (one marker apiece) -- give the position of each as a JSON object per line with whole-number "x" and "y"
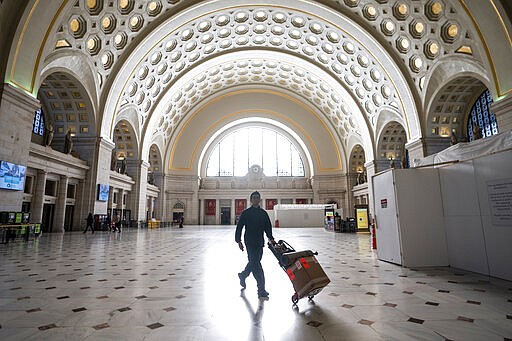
{"x": 307, "y": 276}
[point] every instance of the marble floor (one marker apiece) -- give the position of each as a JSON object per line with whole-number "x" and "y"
{"x": 182, "y": 284}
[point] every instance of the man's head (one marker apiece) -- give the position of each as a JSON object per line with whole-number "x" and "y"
{"x": 255, "y": 198}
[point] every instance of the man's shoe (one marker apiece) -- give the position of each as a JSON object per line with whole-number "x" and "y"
{"x": 242, "y": 280}
{"x": 263, "y": 295}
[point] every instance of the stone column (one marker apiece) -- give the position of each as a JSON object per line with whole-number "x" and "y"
{"x": 36, "y": 208}
{"x": 16, "y": 117}
{"x": 201, "y": 212}
{"x": 503, "y": 111}
{"x": 98, "y": 153}
{"x": 161, "y": 208}
{"x": 138, "y": 171}
{"x": 104, "y": 153}
{"x": 351, "y": 179}
{"x": 60, "y": 207}
{"x": 370, "y": 172}
{"x": 78, "y": 222}
{"x": 233, "y": 215}
{"x": 110, "y": 198}
{"x": 217, "y": 212}
{"x": 120, "y": 206}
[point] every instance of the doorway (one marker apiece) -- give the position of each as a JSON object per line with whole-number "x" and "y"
{"x": 68, "y": 218}
{"x": 47, "y": 220}
{"x": 225, "y": 215}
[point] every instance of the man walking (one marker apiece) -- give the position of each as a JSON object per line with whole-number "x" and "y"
{"x": 256, "y": 222}
{"x": 90, "y": 221}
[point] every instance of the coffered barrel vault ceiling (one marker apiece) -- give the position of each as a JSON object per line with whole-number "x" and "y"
{"x": 183, "y": 45}
{"x": 420, "y": 31}
{"x": 349, "y": 60}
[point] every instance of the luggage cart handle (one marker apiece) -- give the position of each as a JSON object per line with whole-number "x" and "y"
{"x": 288, "y": 246}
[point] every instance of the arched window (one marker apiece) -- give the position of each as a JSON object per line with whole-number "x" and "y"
{"x": 245, "y": 147}
{"x": 481, "y": 115}
{"x": 179, "y": 206}
{"x": 38, "y": 124}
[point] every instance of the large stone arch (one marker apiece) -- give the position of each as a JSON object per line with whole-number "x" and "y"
{"x": 155, "y": 159}
{"x": 77, "y": 65}
{"x": 159, "y": 144}
{"x": 385, "y": 117}
{"x": 129, "y": 114}
{"x": 470, "y": 18}
{"x": 67, "y": 106}
{"x": 451, "y": 105}
{"x": 390, "y": 149}
{"x": 198, "y": 128}
{"x": 357, "y": 159}
{"x": 127, "y": 144}
{"x": 312, "y": 87}
{"x": 495, "y": 48}
{"x": 444, "y": 77}
{"x": 32, "y": 42}
{"x": 361, "y": 43}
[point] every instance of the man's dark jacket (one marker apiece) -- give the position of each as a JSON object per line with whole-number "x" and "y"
{"x": 256, "y": 221}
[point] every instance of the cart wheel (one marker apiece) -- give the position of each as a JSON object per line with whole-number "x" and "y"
{"x": 311, "y": 297}
{"x": 295, "y": 298}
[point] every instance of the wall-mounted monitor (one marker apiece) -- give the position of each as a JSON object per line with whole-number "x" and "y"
{"x": 12, "y": 176}
{"x": 7, "y": 217}
{"x": 25, "y": 218}
{"x": 103, "y": 192}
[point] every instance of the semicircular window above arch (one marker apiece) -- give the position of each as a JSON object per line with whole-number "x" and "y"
{"x": 246, "y": 147}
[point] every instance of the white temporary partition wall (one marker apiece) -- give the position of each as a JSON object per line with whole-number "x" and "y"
{"x": 420, "y": 217}
{"x": 388, "y": 238}
{"x": 477, "y": 197}
{"x": 493, "y": 176}
{"x": 463, "y": 223}
{"x": 409, "y": 214}
{"x": 299, "y": 215}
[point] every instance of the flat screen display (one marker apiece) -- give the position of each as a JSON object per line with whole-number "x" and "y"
{"x": 103, "y": 192}
{"x": 12, "y": 176}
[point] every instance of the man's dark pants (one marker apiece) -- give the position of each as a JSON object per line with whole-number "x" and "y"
{"x": 254, "y": 254}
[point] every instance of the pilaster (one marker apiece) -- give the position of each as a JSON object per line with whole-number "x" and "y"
{"x": 503, "y": 111}
{"x": 201, "y": 212}
{"x": 120, "y": 201}
{"x": 138, "y": 170}
{"x": 60, "y": 207}
{"x": 371, "y": 168}
{"x": 78, "y": 222}
{"x": 36, "y": 214}
{"x": 110, "y": 201}
{"x": 98, "y": 153}
{"x": 161, "y": 208}
{"x": 351, "y": 179}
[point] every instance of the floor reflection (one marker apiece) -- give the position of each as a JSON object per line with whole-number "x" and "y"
{"x": 256, "y": 332}
{"x": 182, "y": 285}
